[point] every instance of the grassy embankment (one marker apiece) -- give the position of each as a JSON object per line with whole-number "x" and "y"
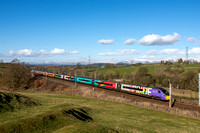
{"x": 151, "y": 68}
{"x": 64, "y": 113}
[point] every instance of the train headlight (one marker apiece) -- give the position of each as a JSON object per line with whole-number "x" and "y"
{"x": 167, "y": 97}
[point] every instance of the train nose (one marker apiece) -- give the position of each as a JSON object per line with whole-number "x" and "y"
{"x": 167, "y": 97}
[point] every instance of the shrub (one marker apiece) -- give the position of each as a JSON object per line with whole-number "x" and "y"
{"x": 17, "y": 76}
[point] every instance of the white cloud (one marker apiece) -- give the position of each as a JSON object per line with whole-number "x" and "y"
{"x": 58, "y": 51}
{"x": 169, "y": 51}
{"x": 194, "y": 50}
{"x": 191, "y": 39}
{"x": 121, "y": 52}
{"x": 43, "y": 52}
{"x": 108, "y": 53}
{"x": 159, "y": 40}
{"x": 74, "y": 52}
{"x": 153, "y": 52}
{"x": 103, "y": 41}
{"x": 23, "y": 52}
{"x": 1, "y": 55}
{"x": 166, "y": 51}
{"x": 129, "y": 41}
{"x": 31, "y": 53}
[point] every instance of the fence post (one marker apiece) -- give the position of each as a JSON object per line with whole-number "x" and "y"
{"x": 75, "y": 79}
{"x": 199, "y": 89}
{"x": 170, "y": 99}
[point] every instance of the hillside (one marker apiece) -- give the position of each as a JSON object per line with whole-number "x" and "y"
{"x": 151, "y": 68}
{"x": 64, "y": 113}
{"x": 12, "y": 101}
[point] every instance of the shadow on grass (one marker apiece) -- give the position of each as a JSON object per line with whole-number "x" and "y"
{"x": 54, "y": 120}
{"x": 81, "y": 115}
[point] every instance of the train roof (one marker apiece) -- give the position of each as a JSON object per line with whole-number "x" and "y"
{"x": 137, "y": 85}
{"x": 158, "y": 88}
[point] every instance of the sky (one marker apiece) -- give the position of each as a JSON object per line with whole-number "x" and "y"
{"x": 109, "y": 31}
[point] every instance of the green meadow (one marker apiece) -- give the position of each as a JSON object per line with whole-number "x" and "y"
{"x": 64, "y": 113}
{"x": 151, "y": 68}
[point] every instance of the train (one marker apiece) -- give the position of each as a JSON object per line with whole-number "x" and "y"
{"x": 156, "y": 92}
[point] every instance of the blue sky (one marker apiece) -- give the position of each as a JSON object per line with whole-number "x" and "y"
{"x": 106, "y": 30}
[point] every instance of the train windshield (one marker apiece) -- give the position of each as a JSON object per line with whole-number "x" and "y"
{"x": 163, "y": 90}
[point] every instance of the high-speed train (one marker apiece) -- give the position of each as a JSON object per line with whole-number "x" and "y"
{"x": 156, "y": 92}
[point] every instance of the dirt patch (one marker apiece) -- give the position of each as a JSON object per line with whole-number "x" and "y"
{"x": 43, "y": 84}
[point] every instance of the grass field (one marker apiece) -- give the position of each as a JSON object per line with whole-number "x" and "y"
{"x": 151, "y": 68}
{"x": 106, "y": 116}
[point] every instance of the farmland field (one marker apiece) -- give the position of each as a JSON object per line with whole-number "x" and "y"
{"x": 105, "y": 116}
{"x": 151, "y": 68}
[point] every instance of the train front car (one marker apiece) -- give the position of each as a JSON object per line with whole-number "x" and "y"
{"x": 160, "y": 92}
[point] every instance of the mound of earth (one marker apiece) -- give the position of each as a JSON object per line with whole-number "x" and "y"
{"x": 11, "y": 101}
{"x": 59, "y": 120}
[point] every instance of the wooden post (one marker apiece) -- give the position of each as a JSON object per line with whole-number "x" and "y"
{"x": 170, "y": 99}
{"x": 199, "y": 89}
{"x": 75, "y": 79}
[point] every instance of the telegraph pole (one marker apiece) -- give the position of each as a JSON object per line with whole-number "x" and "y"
{"x": 89, "y": 61}
{"x": 95, "y": 74}
{"x": 170, "y": 88}
{"x": 186, "y": 54}
{"x": 199, "y": 89}
{"x": 75, "y": 79}
{"x": 45, "y": 74}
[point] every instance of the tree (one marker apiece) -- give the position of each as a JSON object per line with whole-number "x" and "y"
{"x": 162, "y": 62}
{"x": 17, "y": 76}
{"x": 180, "y": 61}
{"x": 78, "y": 65}
{"x": 141, "y": 76}
{"x": 15, "y": 61}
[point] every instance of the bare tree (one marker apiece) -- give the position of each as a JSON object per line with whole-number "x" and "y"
{"x": 17, "y": 76}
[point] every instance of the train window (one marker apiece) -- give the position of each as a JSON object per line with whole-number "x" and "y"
{"x": 85, "y": 80}
{"x": 107, "y": 84}
{"x": 132, "y": 88}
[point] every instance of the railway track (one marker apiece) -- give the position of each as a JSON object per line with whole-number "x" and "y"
{"x": 132, "y": 97}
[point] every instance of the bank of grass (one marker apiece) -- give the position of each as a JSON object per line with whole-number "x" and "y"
{"x": 151, "y": 68}
{"x": 11, "y": 101}
{"x": 106, "y": 116}
{"x": 184, "y": 94}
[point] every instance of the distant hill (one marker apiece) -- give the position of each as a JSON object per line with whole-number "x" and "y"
{"x": 101, "y": 64}
{"x": 122, "y": 63}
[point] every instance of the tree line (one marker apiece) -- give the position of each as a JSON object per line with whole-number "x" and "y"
{"x": 17, "y": 75}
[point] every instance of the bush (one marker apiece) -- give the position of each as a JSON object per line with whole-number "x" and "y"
{"x": 17, "y": 76}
